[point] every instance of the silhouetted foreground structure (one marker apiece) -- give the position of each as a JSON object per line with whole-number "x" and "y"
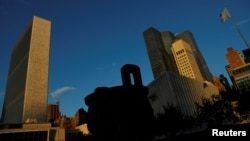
{"x": 121, "y": 113}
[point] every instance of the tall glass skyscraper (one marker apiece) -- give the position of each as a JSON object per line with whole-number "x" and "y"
{"x": 161, "y": 55}
{"x": 189, "y": 38}
{"x": 158, "y": 46}
{"x": 26, "y": 94}
{"x": 181, "y": 76}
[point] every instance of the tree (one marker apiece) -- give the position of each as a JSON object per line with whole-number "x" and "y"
{"x": 243, "y": 107}
{"x": 172, "y": 121}
{"x": 216, "y": 111}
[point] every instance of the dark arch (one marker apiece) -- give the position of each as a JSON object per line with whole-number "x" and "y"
{"x": 128, "y": 69}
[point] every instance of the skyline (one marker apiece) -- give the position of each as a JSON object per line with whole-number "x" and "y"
{"x": 90, "y": 42}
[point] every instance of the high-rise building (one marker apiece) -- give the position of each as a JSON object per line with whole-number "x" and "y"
{"x": 238, "y": 70}
{"x": 158, "y": 48}
{"x": 185, "y": 60}
{"x": 246, "y": 53}
{"x": 53, "y": 112}
{"x": 26, "y": 94}
{"x": 161, "y": 57}
{"x": 181, "y": 76}
{"x": 235, "y": 59}
{"x": 188, "y": 37}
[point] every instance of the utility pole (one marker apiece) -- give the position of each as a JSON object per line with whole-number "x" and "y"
{"x": 226, "y": 15}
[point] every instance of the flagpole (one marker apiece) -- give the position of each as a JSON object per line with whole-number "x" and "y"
{"x": 238, "y": 29}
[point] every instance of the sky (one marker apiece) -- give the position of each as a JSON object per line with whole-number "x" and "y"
{"x": 92, "y": 39}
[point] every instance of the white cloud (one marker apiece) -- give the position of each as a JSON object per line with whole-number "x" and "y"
{"x": 61, "y": 91}
{"x": 244, "y": 21}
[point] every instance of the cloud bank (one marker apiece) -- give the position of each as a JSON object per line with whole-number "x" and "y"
{"x": 60, "y": 91}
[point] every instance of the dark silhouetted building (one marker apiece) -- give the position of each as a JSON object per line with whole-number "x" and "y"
{"x": 225, "y": 82}
{"x": 218, "y": 83}
{"x": 80, "y": 117}
{"x": 246, "y": 53}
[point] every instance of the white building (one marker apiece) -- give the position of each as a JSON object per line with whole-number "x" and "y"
{"x": 180, "y": 91}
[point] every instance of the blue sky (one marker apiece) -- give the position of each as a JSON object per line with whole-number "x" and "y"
{"x": 92, "y": 39}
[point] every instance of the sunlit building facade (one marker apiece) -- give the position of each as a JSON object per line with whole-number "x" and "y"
{"x": 185, "y": 60}
{"x": 240, "y": 77}
{"x": 161, "y": 56}
{"x": 234, "y": 58}
{"x": 238, "y": 70}
{"x": 189, "y": 38}
{"x": 53, "y": 112}
{"x": 181, "y": 76}
{"x": 26, "y": 95}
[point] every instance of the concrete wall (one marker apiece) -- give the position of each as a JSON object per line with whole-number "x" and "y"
{"x": 180, "y": 91}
